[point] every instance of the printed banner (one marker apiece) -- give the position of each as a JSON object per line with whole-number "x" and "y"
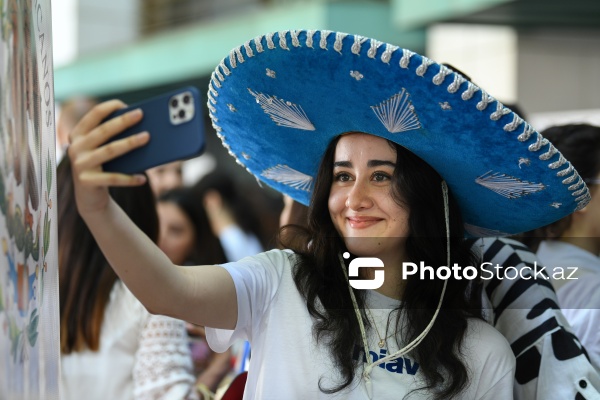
{"x": 29, "y": 308}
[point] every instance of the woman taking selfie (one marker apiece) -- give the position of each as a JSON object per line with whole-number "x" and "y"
{"x": 398, "y": 158}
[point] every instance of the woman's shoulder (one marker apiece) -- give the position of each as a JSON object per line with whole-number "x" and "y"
{"x": 480, "y": 331}
{"x": 275, "y": 258}
{"x": 487, "y": 345}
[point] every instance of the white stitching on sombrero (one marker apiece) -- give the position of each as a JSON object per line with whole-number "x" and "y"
{"x": 358, "y": 41}
{"x": 539, "y": 143}
{"x": 508, "y": 186}
{"x": 283, "y": 113}
{"x": 576, "y": 185}
{"x": 215, "y": 81}
{"x": 485, "y": 100}
{"x": 282, "y": 40}
{"x": 309, "y": 38}
{"x": 372, "y": 52}
{"x": 249, "y": 52}
{"x": 548, "y": 155}
{"x": 219, "y": 75}
{"x": 245, "y": 155}
{"x": 500, "y": 112}
{"x": 583, "y": 200}
{"x": 269, "y": 37}
{"x": 561, "y": 161}
{"x": 210, "y": 98}
{"x": 524, "y": 161}
{"x": 323, "y": 41}
{"x": 471, "y": 89}
{"x": 388, "y": 52}
{"x": 211, "y": 108}
{"x": 580, "y": 191}
{"x": 445, "y": 106}
{"x": 356, "y": 75}
{"x": 337, "y": 45}
{"x": 405, "y": 60}
{"x": 270, "y": 73}
{"x": 425, "y": 63}
{"x": 438, "y": 79}
{"x": 232, "y": 55}
{"x": 231, "y": 107}
{"x": 258, "y": 44}
{"x": 556, "y": 205}
{"x": 212, "y": 90}
{"x": 570, "y": 179}
{"x": 238, "y": 53}
{"x": 527, "y": 132}
{"x": 455, "y": 85}
{"x": 224, "y": 68}
{"x": 397, "y": 113}
{"x": 514, "y": 124}
{"x": 289, "y": 176}
{"x": 294, "y": 35}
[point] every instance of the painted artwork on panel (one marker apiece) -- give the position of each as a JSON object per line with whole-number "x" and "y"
{"x": 28, "y": 267}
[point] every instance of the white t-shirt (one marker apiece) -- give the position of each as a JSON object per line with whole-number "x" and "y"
{"x": 141, "y": 356}
{"x": 287, "y": 363}
{"x": 578, "y": 296}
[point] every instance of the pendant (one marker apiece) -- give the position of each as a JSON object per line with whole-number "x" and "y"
{"x": 381, "y": 343}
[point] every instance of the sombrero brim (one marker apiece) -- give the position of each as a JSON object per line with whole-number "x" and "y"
{"x": 279, "y": 99}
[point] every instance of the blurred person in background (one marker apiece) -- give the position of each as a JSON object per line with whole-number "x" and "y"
{"x": 231, "y": 216}
{"x": 572, "y": 244}
{"x": 187, "y": 239}
{"x": 111, "y": 346}
{"x": 165, "y": 177}
{"x": 71, "y": 111}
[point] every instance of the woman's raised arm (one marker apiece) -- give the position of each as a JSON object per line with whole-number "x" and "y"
{"x": 205, "y": 296}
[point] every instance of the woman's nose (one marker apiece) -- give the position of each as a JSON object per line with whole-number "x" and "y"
{"x": 359, "y": 197}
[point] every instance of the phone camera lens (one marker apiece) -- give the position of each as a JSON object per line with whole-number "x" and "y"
{"x": 186, "y": 99}
{"x": 181, "y": 113}
{"x": 174, "y": 103}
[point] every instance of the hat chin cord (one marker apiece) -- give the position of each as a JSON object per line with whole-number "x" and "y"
{"x": 366, "y": 375}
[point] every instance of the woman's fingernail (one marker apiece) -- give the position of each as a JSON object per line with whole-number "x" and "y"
{"x": 141, "y": 179}
{"x": 142, "y": 136}
{"x": 135, "y": 113}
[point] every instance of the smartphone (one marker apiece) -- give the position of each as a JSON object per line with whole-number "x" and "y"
{"x": 174, "y": 121}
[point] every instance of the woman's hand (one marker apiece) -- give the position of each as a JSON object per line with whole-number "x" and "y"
{"x": 88, "y": 151}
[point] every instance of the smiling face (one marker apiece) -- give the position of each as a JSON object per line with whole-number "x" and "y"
{"x": 361, "y": 204}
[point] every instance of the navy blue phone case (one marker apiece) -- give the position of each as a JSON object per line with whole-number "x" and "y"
{"x": 172, "y": 136}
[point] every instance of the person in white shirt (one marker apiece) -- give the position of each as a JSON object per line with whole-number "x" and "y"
{"x": 570, "y": 248}
{"x": 111, "y": 346}
{"x": 386, "y": 147}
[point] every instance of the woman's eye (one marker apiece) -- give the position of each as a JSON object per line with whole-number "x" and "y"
{"x": 380, "y": 177}
{"x": 342, "y": 177}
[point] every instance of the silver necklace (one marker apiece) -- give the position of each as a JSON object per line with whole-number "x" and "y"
{"x": 382, "y": 339}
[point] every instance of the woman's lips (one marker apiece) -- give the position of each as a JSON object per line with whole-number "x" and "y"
{"x": 362, "y": 222}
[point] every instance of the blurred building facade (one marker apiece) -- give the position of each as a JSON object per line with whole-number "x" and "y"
{"x": 541, "y": 54}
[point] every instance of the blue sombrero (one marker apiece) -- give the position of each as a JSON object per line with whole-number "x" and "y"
{"x": 279, "y": 99}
